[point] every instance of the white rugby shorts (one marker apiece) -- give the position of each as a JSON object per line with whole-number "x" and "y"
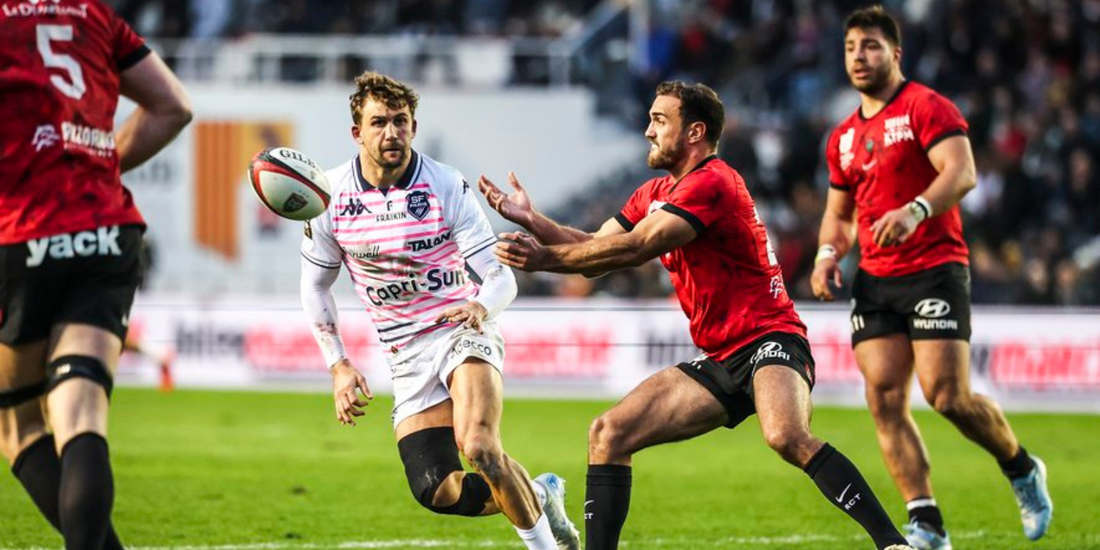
{"x": 420, "y": 379}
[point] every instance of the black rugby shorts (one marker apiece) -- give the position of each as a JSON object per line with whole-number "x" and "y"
{"x": 86, "y": 277}
{"x": 930, "y": 304}
{"x": 730, "y": 381}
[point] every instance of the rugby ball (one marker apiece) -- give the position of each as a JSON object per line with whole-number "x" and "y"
{"x": 289, "y": 183}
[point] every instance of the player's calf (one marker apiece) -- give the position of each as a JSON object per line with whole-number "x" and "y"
{"x": 431, "y": 463}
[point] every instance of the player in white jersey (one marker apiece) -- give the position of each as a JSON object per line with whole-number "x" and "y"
{"x": 406, "y": 227}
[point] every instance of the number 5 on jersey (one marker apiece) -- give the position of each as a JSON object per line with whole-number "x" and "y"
{"x": 47, "y": 34}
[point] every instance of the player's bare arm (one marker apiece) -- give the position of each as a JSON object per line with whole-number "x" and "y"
{"x": 658, "y": 233}
{"x": 954, "y": 161}
{"x": 838, "y": 230}
{"x": 163, "y": 110}
{"x": 517, "y": 208}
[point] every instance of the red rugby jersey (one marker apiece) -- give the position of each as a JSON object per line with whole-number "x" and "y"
{"x": 727, "y": 279}
{"x": 59, "y": 85}
{"x": 884, "y": 161}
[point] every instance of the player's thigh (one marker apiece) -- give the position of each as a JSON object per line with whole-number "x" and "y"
{"x": 79, "y": 404}
{"x": 943, "y": 368}
{"x": 668, "y": 406}
{"x": 477, "y": 391}
{"x": 886, "y": 362}
{"x": 22, "y": 378}
{"x": 783, "y": 404}
{"x": 439, "y": 415}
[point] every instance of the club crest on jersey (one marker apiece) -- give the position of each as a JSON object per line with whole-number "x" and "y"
{"x": 417, "y": 205}
{"x": 44, "y": 136}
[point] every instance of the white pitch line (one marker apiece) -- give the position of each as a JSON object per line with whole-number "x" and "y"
{"x": 724, "y": 542}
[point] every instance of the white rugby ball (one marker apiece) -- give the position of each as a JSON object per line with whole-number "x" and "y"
{"x": 289, "y": 183}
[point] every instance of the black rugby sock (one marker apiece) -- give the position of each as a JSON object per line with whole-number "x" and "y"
{"x": 39, "y": 470}
{"x": 924, "y": 510}
{"x": 840, "y": 482}
{"x": 607, "y": 501}
{"x": 86, "y": 492}
{"x": 1017, "y": 466}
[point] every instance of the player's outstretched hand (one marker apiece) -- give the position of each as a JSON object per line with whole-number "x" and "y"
{"x": 522, "y": 251}
{"x": 515, "y": 207}
{"x": 471, "y": 314}
{"x": 346, "y": 382}
{"x": 894, "y": 228}
{"x": 826, "y": 269}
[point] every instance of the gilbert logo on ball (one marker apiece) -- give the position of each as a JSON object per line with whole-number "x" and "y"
{"x": 289, "y": 183}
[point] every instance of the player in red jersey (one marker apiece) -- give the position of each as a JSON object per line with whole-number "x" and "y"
{"x": 702, "y": 224}
{"x": 70, "y": 243}
{"x": 898, "y": 168}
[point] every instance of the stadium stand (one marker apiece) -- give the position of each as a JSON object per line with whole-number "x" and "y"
{"x": 1026, "y": 75}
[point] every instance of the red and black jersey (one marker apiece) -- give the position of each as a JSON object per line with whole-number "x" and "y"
{"x": 60, "y": 62}
{"x": 884, "y": 161}
{"x": 727, "y": 278}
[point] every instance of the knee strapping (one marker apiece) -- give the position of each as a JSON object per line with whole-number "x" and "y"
{"x": 430, "y": 457}
{"x": 17, "y": 396}
{"x": 78, "y": 366}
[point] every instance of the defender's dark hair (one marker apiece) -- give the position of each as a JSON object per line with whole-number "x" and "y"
{"x": 698, "y": 103}
{"x": 874, "y": 17}
{"x": 372, "y": 85}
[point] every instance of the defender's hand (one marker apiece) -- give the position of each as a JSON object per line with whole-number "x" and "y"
{"x": 346, "y": 379}
{"x": 471, "y": 314}
{"x": 516, "y": 207}
{"x": 895, "y": 227}
{"x": 522, "y": 251}
{"x": 824, "y": 270}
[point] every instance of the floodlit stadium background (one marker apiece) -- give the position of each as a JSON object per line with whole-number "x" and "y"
{"x": 557, "y": 91}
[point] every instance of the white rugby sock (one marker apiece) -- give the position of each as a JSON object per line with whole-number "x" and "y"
{"x": 538, "y": 537}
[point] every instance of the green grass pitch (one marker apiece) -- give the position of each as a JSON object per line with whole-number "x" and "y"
{"x": 252, "y": 471}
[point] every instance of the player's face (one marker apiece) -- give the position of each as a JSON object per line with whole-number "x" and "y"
{"x": 385, "y": 134}
{"x": 869, "y": 59}
{"x": 665, "y": 133}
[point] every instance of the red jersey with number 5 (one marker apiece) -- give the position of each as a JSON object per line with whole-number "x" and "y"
{"x": 727, "y": 278}
{"x": 884, "y": 161}
{"x": 59, "y": 85}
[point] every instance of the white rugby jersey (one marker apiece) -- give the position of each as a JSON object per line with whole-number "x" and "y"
{"x": 405, "y": 247}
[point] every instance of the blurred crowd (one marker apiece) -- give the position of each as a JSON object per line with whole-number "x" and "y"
{"x": 1025, "y": 73}
{"x": 229, "y": 18}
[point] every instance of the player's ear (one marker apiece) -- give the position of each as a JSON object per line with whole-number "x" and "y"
{"x": 355, "y": 133}
{"x": 413, "y": 129}
{"x": 696, "y": 132}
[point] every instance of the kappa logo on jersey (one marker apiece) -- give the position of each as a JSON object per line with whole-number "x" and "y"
{"x": 354, "y": 207}
{"x": 44, "y": 136}
{"x": 429, "y": 243}
{"x": 931, "y": 311}
{"x": 846, "y": 155}
{"x": 895, "y": 130}
{"x": 435, "y": 279}
{"x": 416, "y": 203}
{"x": 103, "y": 241}
{"x": 770, "y": 350}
